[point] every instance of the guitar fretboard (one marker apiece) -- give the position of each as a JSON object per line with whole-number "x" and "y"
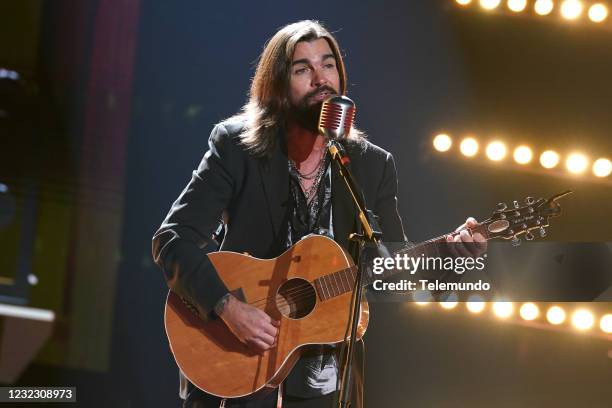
{"x": 342, "y": 281}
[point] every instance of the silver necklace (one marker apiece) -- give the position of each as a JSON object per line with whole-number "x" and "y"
{"x": 311, "y": 175}
{"x": 311, "y": 192}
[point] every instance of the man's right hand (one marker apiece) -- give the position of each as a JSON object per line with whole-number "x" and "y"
{"x": 252, "y": 326}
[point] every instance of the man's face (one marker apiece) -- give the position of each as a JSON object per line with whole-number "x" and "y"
{"x": 313, "y": 77}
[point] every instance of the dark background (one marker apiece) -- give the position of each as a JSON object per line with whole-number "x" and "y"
{"x": 415, "y": 68}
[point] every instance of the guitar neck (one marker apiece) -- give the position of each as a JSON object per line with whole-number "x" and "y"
{"x": 337, "y": 283}
{"x": 428, "y": 249}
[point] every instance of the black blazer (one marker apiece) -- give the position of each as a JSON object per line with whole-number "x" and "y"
{"x": 252, "y": 194}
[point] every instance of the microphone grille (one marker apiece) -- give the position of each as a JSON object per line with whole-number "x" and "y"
{"x": 337, "y": 115}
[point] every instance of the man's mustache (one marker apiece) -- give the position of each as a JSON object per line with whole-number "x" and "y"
{"x": 322, "y": 88}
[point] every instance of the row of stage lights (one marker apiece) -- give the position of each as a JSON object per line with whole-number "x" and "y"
{"x": 581, "y": 319}
{"x": 569, "y": 9}
{"x": 496, "y": 151}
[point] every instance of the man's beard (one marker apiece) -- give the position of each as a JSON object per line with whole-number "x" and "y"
{"x": 305, "y": 114}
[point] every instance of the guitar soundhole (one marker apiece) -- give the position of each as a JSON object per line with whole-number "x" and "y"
{"x": 296, "y": 298}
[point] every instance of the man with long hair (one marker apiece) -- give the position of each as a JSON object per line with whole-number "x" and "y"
{"x": 269, "y": 175}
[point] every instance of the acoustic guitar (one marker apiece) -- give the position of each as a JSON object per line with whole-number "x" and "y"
{"x": 308, "y": 289}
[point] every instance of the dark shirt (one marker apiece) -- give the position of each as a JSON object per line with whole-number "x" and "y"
{"x": 314, "y": 374}
{"x": 313, "y": 217}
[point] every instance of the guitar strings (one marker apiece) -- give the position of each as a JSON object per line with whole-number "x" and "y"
{"x": 300, "y": 293}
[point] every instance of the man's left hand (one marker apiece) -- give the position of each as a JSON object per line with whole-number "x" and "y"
{"x": 466, "y": 244}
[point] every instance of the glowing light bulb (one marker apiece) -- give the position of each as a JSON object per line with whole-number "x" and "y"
{"x": 602, "y": 167}
{"x": 469, "y": 147}
{"x": 582, "y": 319}
{"x": 606, "y": 323}
{"x": 523, "y": 155}
{"x": 576, "y": 163}
{"x": 503, "y": 310}
{"x": 496, "y": 151}
{"x": 475, "y": 304}
{"x": 451, "y": 301}
{"x": 598, "y": 13}
{"x": 544, "y": 7}
{"x": 571, "y": 9}
{"x": 529, "y": 311}
{"x": 489, "y": 4}
{"x": 549, "y": 159}
{"x": 442, "y": 142}
{"x": 517, "y": 5}
{"x": 555, "y": 315}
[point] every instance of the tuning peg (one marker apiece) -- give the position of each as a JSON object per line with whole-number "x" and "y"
{"x": 501, "y": 206}
{"x": 529, "y": 200}
{"x": 529, "y": 236}
{"x": 516, "y": 204}
{"x": 542, "y": 232}
{"x": 516, "y": 241}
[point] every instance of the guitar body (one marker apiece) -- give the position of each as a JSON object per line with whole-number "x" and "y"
{"x": 214, "y": 360}
{"x": 308, "y": 289}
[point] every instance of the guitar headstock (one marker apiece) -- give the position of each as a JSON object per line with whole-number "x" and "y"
{"x": 509, "y": 223}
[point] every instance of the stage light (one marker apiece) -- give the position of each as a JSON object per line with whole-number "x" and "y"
{"x": 602, "y": 167}
{"x": 529, "y": 311}
{"x": 450, "y": 302}
{"x": 598, "y": 13}
{"x": 463, "y": 2}
{"x": 496, "y": 151}
{"x": 422, "y": 297}
{"x": 576, "y": 163}
{"x": 523, "y": 155}
{"x": 582, "y": 319}
{"x": 442, "y": 142}
{"x": 544, "y": 7}
{"x": 549, "y": 159}
{"x": 469, "y": 147}
{"x": 475, "y": 304}
{"x": 571, "y": 9}
{"x": 555, "y": 315}
{"x": 7, "y": 73}
{"x": 517, "y": 5}
{"x": 489, "y": 4}
{"x": 503, "y": 310}
{"x": 448, "y": 305}
{"x": 606, "y": 323}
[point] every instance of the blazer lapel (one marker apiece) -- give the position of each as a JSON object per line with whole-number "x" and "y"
{"x": 274, "y": 173}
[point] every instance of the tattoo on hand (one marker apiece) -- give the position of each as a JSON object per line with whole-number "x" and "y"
{"x": 220, "y": 306}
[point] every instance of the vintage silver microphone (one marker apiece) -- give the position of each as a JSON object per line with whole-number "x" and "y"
{"x": 337, "y": 115}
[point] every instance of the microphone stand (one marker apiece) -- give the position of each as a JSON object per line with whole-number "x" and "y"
{"x": 371, "y": 234}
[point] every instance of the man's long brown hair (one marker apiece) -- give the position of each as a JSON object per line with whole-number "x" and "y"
{"x": 266, "y": 111}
